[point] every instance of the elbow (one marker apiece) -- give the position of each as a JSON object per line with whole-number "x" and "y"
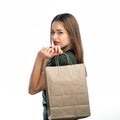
{"x": 35, "y": 89}
{"x": 31, "y": 91}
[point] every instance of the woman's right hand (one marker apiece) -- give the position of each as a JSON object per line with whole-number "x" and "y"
{"x": 49, "y": 52}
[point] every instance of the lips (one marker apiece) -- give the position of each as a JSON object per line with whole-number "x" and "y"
{"x": 56, "y": 42}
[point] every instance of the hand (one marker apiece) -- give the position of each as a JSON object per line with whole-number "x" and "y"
{"x": 49, "y": 52}
{"x": 57, "y": 50}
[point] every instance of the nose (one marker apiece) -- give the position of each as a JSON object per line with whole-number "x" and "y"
{"x": 54, "y": 36}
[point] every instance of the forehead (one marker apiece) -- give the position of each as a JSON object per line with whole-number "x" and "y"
{"x": 57, "y": 25}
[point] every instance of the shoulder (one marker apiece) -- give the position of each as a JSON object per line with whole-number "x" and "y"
{"x": 63, "y": 59}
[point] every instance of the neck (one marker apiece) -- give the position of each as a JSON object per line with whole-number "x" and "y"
{"x": 66, "y": 48}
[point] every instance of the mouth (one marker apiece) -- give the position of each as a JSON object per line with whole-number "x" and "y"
{"x": 56, "y": 43}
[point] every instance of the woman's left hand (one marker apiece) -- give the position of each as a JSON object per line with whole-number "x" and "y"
{"x": 57, "y": 50}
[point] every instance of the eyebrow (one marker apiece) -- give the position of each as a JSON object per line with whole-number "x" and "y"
{"x": 57, "y": 30}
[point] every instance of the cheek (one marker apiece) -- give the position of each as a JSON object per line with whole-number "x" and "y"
{"x": 68, "y": 40}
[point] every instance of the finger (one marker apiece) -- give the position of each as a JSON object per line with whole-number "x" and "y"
{"x": 52, "y": 46}
{"x": 50, "y": 50}
{"x": 58, "y": 50}
{"x": 55, "y": 49}
{"x": 47, "y": 49}
{"x": 61, "y": 52}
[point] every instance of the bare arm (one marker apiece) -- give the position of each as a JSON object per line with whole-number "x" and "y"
{"x": 37, "y": 77}
{"x": 37, "y": 82}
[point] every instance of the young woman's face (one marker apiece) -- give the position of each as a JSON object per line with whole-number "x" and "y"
{"x": 59, "y": 35}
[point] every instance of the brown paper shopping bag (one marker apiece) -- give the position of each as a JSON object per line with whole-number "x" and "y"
{"x": 67, "y": 93}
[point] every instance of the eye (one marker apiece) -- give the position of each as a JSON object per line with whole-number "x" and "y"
{"x": 60, "y": 32}
{"x": 52, "y": 32}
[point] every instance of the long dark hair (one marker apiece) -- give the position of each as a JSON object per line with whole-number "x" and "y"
{"x": 71, "y": 25}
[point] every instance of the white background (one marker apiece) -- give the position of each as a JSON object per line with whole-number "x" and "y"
{"x": 24, "y": 30}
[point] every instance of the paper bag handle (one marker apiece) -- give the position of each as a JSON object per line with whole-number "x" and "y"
{"x": 67, "y": 57}
{"x": 68, "y": 60}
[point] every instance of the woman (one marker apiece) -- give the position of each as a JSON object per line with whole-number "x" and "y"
{"x": 65, "y": 38}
